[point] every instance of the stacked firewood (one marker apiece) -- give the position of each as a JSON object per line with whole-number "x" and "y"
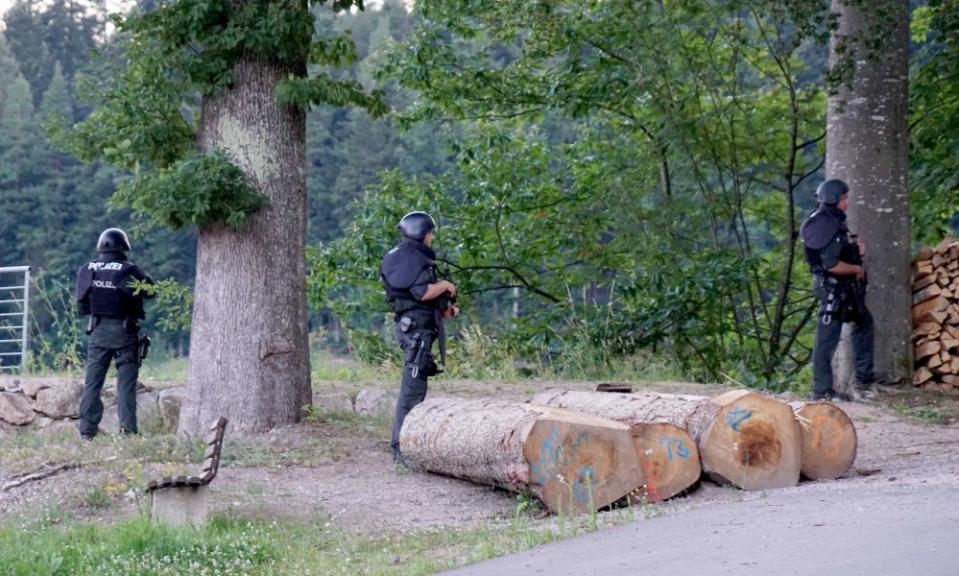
{"x": 935, "y": 316}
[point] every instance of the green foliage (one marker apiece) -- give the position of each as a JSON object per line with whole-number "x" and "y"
{"x": 181, "y": 49}
{"x": 173, "y": 304}
{"x": 934, "y": 121}
{"x": 56, "y": 336}
{"x": 199, "y": 190}
{"x": 677, "y": 196}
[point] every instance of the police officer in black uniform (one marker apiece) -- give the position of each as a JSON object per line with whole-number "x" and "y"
{"x": 420, "y": 302}
{"x": 106, "y": 294}
{"x": 839, "y": 282}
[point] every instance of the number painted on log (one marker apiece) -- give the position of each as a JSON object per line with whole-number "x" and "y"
{"x": 674, "y": 445}
{"x": 737, "y": 416}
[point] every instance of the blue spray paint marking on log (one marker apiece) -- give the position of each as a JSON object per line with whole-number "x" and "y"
{"x": 737, "y": 416}
{"x": 553, "y": 458}
{"x": 671, "y": 443}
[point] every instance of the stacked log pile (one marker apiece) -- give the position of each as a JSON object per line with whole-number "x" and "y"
{"x": 744, "y": 438}
{"x": 581, "y": 451}
{"x": 935, "y": 316}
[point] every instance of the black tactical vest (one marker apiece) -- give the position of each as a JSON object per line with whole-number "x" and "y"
{"x": 823, "y": 227}
{"x": 103, "y": 289}
{"x": 400, "y": 268}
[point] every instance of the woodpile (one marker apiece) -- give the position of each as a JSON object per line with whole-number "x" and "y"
{"x": 744, "y": 438}
{"x": 935, "y": 316}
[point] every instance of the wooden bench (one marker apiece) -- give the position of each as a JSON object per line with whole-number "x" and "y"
{"x": 182, "y": 499}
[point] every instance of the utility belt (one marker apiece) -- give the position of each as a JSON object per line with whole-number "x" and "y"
{"x": 417, "y": 335}
{"x": 844, "y": 300}
{"x": 130, "y": 325}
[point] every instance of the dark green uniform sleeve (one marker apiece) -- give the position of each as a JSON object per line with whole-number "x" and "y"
{"x": 830, "y": 254}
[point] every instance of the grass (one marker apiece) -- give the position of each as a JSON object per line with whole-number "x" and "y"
{"x": 230, "y": 545}
{"x": 923, "y": 414}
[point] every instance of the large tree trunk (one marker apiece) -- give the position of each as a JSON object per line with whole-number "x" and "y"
{"x": 249, "y": 356}
{"x": 745, "y": 439}
{"x": 570, "y": 461}
{"x": 867, "y": 146}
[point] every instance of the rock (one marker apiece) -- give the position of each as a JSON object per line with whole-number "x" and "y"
{"x": 171, "y": 401}
{"x": 61, "y": 427}
{"x": 15, "y": 409}
{"x": 10, "y": 383}
{"x": 43, "y": 422}
{"x": 376, "y": 402}
{"x": 332, "y": 402}
{"x": 148, "y": 406}
{"x": 62, "y": 401}
{"x": 31, "y": 387}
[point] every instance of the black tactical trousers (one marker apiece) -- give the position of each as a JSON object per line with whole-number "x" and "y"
{"x": 413, "y": 384}
{"x": 827, "y": 339}
{"x": 110, "y": 340}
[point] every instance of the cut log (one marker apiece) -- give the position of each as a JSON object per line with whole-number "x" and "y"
{"x": 940, "y": 260}
{"x": 954, "y": 366}
{"x": 951, "y": 379}
{"x": 570, "y": 461}
{"x": 949, "y": 343}
{"x": 927, "y": 349}
{"x": 922, "y": 312}
{"x": 943, "y": 246}
{"x": 744, "y": 438}
{"x": 926, "y": 293}
{"x": 669, "y": 459}
{"x": 922, "y": 376}
{"x": 922, "y": 282}
{"x": 953, "y": 331}
{"x": 828, "y": 439}
{"x": 925, "y": 253}
{"x": 933, "y": 361}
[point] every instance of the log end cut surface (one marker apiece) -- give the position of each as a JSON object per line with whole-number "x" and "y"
{"x": 579, "y": 466}
{"x": 828, "y": 440}
{"x": 754, "y": 442}
{"x": 669, "y": 458}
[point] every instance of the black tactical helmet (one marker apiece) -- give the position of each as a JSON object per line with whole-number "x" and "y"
{"x": 830, "y": 191}
{"x": 416, "y": 225}
{"x": 113, "y": 240}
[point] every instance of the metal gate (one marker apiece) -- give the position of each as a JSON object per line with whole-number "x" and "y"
{"x": 14, "y": 316}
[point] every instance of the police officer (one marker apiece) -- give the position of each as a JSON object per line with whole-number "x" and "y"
{"x": 839, "y": 282}
{"x": 105, "y": 293}
{"x": 420, "y": 303}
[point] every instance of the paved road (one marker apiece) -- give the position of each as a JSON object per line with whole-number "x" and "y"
{"x": 821, "y": 529}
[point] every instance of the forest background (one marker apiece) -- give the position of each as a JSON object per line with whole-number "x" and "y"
{"x": 628, "y": 206}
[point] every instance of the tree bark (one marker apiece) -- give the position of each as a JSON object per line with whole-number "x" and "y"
{"x": 745, "y": 439}
{"x": 867, "y": 146}
{"x": 570, "y": 461}
{"x": 249, "y": 357}
{"x": 829, "y": 439}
